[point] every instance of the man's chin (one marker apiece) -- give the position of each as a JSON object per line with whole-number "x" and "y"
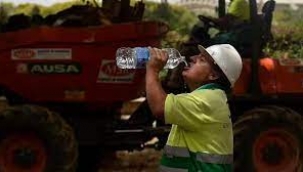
{"x": 184, "y": 73}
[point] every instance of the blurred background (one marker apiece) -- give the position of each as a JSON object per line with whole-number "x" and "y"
{"x": 181, "y": 15}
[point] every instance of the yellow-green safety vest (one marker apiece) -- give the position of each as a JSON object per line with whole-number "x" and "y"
{"x": 201, "y": 138}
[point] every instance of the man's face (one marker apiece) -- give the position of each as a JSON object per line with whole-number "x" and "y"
{"x": 199, "y": 71}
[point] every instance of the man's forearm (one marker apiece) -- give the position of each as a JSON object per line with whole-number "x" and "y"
{"x": 155, "y": 94}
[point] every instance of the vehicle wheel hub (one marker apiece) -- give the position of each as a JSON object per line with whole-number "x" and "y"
{"x": 22, "y": 153}
{"x": 276, "y": 150}
{"x": 25, "y": 158}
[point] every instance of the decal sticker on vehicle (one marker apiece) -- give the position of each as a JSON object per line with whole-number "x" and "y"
{"x": 74, "y": 95}
{"x": 21, "y": 68}
{"x": 46, "y": 68}
{"x": 41, "y": 54}
{"x": 110, "y": 73}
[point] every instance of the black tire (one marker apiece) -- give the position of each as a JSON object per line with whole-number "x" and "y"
{"x": 268, "y": 139}
{"x": 45, "y": 133}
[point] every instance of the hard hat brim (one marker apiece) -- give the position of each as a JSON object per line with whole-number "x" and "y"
{"x": 203, "y": 51}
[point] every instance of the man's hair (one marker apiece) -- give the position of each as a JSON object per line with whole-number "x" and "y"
{"x": 222, "y": 79}
{"x": 223, "y": 82}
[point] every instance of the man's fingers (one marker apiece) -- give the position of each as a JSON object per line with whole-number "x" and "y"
{"x": 165, "y": 55}
{"x": 158, "y": 54}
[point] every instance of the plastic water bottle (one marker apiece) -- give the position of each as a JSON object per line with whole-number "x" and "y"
{"x": 137, "y": 57}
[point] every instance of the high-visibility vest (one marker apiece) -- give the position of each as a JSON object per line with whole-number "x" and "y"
{"x": 201, "y": 138}
{"x": 240, "y": 9}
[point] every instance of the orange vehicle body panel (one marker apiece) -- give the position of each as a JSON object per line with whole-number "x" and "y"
{"x": 276, "y": 76}
{"x": 53, "y": 64}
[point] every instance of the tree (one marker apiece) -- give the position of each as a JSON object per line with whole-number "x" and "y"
{"x": 179, "y": 19}
{"x": 3, "y": 15}
{"x": 35, "y": 10}
{"x": 287, "y": 31}
{"x": 4, "y": 11}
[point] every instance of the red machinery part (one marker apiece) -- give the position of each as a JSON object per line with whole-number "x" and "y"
{"x": 22, "y": 152}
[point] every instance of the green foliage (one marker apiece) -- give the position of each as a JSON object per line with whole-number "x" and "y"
{"x": 29, "y": 8}
{"x": 58, "y": 7}
{"x": 5, "y": 9}
{"x": 179, "y": 20}
{"x": 288, "y": 17}
{"x": 287, "y": 31}
{"x": 26, "y": 8}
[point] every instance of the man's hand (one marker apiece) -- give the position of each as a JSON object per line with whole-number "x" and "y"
{"x": 157, "y": 61}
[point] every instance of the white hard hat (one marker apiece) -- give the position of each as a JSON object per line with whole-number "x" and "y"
{"x": 227, "y": 58}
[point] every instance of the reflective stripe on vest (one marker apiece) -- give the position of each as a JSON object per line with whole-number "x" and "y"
{"x": 172, "y": 151}
{"x": 168, "y": 169}
{"x": 215, "y": 159}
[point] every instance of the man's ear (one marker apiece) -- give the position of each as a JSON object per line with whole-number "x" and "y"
{"x": 213, "y": 76}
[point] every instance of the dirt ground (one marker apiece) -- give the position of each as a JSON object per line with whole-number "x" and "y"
{"x": 146, "y": 160}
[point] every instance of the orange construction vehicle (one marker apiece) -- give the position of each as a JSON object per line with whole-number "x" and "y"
{"x": 63, "y": 92}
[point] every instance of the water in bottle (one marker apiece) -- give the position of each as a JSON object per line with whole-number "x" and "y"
{"x": 136, "y": 58}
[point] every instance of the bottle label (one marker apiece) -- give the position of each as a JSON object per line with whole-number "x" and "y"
{"x": 142, "y": 55}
